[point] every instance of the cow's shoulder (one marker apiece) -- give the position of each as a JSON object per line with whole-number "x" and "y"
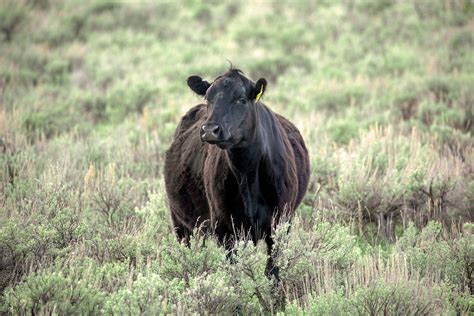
{"x": 190, "y": 118}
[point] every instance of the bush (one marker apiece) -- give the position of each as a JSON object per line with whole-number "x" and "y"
{"x": 429, "y": 253}
{"x": 147, "y": 295}
{"x": 53, "y": 292}
{"x": 380, "y": 180}
{"x": 394, "y": 299}
{"x": 12, "y": 13}
{"x": 90, "y": 95}
{"x": 123, "y": 99}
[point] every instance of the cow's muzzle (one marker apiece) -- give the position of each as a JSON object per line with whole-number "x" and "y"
{"x": 211, "y": 133}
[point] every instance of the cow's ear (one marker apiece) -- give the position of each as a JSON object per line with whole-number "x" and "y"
{"x": 198, "y": 85}
{"x": 259, "y": 89}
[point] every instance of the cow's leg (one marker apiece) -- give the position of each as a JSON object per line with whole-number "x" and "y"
{"x": 271, "y": 269}
{"x": 183, "y": 233}
{"x": 187, "y": 213}
{"x": 225, "y": 239}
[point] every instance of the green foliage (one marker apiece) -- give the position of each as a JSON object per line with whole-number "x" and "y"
{"x": 53, "y": 291}
{"x": 12, "y": 13}
{"x": 123, "y": 99}
{"x": 146, "y": 296}
{"x": 90, "y": 95}
{"x": 201, "y": 257}
{"x": 325, "y": 304}
{"x": 343, "y": 130}
{"x": 326, "y": 275}
{"x": 406, "y": 299}
{"x": 298, "y": 252}
{"x": 427, "y": 252}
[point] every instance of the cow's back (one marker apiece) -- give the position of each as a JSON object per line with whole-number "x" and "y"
{"x": 301, "y": 156}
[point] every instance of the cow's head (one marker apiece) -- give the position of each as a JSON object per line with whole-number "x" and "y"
{"x": 231, "y": 100}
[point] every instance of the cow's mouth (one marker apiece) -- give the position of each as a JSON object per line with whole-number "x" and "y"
{"x": 222, "y": 144}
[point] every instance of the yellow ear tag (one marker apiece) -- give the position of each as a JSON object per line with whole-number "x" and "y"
{"x": 259, "y": 94}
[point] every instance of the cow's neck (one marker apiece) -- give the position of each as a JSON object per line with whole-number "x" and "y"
{"x": 262, "y": 147}
{"x": 244, "y": 164}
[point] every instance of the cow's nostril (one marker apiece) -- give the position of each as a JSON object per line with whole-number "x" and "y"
{"x": 215, "y": 129}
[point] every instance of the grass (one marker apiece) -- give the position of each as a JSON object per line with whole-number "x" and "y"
{"x": 90, "y": 95}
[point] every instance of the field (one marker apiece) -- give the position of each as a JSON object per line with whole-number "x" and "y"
{"x": 382, "y": 91}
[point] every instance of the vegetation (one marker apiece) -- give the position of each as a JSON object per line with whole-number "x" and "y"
{"x": 382, "y": 91}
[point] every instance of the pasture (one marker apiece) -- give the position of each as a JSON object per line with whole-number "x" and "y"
{"x": 382, "y": 92}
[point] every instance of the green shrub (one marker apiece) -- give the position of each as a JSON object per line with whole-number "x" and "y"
{"x": 53, "y": 292}
{"x": 338, "y": 98}
{"x": 113, "y": 196}
{"x": 342, "y": 131}
{"x": 202, "y": 257}
{"x": 394, "y": 299}
{"x": 12, "y": 13}
{"x": 247, "y": 273}
{"x": 429, "y": 253}
{"x": 332, "y": 303}
{"x": 375, "y": 7}
{"x": 90, "y": 95}
{"x": 147, "y": 295}
{"x": 213, "y": 293}
{"x": 123, "y": 99}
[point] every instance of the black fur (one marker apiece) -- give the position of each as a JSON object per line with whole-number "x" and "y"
{"x": 254, "y": 172}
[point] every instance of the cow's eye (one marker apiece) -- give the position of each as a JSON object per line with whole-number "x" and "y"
{"x": 242, "y": 100}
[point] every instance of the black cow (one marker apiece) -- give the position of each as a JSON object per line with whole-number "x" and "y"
{"x": 234, "y": 165}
